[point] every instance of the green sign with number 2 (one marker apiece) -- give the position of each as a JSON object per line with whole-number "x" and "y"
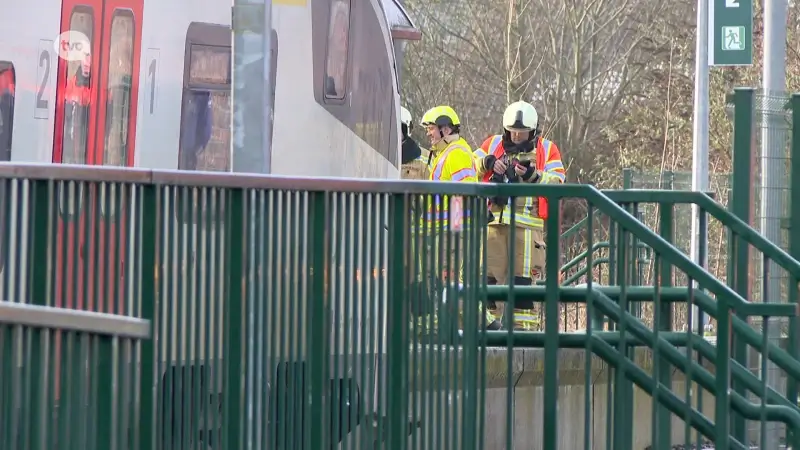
{"x": 730, "y": 33}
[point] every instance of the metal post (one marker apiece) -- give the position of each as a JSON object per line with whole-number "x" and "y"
{"x": 252, "y": 91}
{"x": 251, "y": 126}
{"x": 793, "y": 437}
{"x": 740, "y": 205}
{"x": 773, "y": 154}
{"x": 700, "y": 136}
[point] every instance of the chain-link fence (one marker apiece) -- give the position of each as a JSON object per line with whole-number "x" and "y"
{"x": 770, "y": 213}
{"x": 771, "y": 152}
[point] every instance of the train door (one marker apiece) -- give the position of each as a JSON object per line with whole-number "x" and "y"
{"x": 116, "y": 123}
{"x": 95, "y": 125}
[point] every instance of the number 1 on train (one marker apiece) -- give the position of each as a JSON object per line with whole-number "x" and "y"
{"x": 152, "y": 68}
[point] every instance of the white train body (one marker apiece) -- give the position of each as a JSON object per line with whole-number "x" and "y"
{"x": 151, "y": 88}
{"x": 141, "y": 55}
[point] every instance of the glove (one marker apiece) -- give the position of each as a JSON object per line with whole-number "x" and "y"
{"x": 488, "y": 163}
{"x": 532, "y": 175}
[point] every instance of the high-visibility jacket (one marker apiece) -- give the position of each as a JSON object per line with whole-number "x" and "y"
{"x": 530, "y": 212}
{"x": 454, "y": 163}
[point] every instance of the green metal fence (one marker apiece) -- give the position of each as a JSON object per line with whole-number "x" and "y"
{"x": 761, "y": 142}
{"x": 770, "y": 149}
{"x": 83, "y": 396}
{"x": 294, "y": 313}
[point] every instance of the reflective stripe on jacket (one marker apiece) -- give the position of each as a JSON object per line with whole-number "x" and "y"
{"x": 547, "y": 159}
{"x": 454, "y": 163}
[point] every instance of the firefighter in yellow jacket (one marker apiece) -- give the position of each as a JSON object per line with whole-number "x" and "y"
{"x": 520, "y": 154}
{"x": 452, "y": 160}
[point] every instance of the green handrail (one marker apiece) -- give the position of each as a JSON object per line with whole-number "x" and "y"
{"x": 673, "y": 255}
{"x": 584, "y": 270}
{"x": 583, "y": 256}
{"x": 576, "y": 260}
{"x": 648, "y": 237}
{"x": 574, "y": 228}
{"x": 642, "y": 294}
{"x": 790, "y": 416}
{"x": 712, "y": 207}
{"x": 728, "y": 301}
{"x": 627, "y": 196}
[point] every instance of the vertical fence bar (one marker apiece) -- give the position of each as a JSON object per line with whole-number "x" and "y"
{"x": 38, "y": 246}
{"x": 104, "y": 376}
{"x": 149, "y": 220}
{"x": 397, "y": 340}
{"x": 234, "y": 356}
{"x": 664, "y": 314}
{"x": 552, "y": 257}
{"x": 793, "y": 436}
{"x": 591, "y": 317}
{"x": 739, "y": 205}
{"x": 627, "y": 178}
{"x": 622, "y": 386}
{"x": 317, "y": 351}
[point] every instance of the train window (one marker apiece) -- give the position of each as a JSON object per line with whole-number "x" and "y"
{"x": 209, "y": 64}
{"x": 77, "y": 95}
{"x": 118, "y": 96}
{"x": 206, "y": 111}
{"x": 8, "y": 81}
{"x": 338, "y": 34}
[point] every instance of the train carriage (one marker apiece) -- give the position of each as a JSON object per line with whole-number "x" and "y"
{"x": 147, "y": 83}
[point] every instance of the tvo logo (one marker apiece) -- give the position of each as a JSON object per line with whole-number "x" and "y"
{"x": 72, "y": 45}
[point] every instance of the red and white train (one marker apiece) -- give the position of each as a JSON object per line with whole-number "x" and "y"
{"x": 153, "y": 90}
{"x": 158, "y": 73}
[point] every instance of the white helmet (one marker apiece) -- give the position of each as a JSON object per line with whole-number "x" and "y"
{"x": 405, "y": 117}
{"x": 520, "y": 116}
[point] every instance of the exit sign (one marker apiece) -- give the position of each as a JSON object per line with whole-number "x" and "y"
{"x": 730, "y": 33}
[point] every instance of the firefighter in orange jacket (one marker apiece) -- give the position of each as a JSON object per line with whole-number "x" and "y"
{"x": 498, "y": 160}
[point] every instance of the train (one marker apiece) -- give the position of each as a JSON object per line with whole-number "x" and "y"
{"x": 148, "y": 84}
{"x": 161, "y": 66}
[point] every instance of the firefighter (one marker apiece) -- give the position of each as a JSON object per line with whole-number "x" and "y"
{"x": 410, "y": 148}
{"x": 452, "y": 160}
{"x": 520, "y": 154}
{"x": 415, "y": 160}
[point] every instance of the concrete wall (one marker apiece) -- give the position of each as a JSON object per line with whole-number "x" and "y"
{"x": 442, "y": 414}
